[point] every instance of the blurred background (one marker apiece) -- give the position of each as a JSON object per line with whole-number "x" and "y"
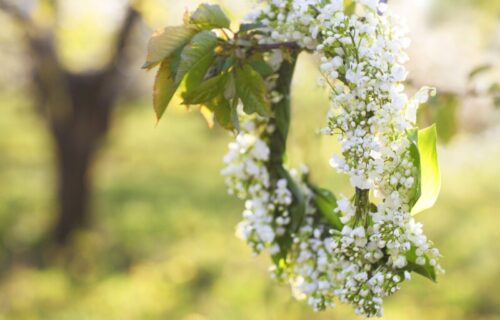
{"x": 106, "y": 215}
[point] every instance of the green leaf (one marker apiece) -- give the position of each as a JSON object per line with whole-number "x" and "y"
{"x": 166, "y": 41}
{"x": 251, "y": 89}
{"x": 245, "y": 27}
{"x": 429, "y": 166}
{"x": 415, "y": 156}
{"x": 230, "y": 89}
{"x": 221, "y": 107}
{"x": 164, "y": 88}
{"x": 262, "y": 67}
{"x": 209, "y": 16}
{"x": 282, "y": 117}
{"x": 198, "y": 73}
{"x": 221, "y": 64}
{"x": 282, "y": 108}
{"x": 327, "y": 203}
{"x": 207, "y": 90}
{"x": 197, "y": 54}
{"x": 284, "y": 242}
{"x": 228, "y": 63}
{"x": 235, "y": 119}
{"x": 426, "y": 270}
{"x": 298, "y": 207}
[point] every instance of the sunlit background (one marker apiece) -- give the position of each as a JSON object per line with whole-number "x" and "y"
{"x": 159, "y": 239}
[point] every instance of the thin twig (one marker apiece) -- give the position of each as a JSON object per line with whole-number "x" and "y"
{"x": 14, "y": 11}
{"x": 271, "y": 46}
{"x": 123, "y": 34}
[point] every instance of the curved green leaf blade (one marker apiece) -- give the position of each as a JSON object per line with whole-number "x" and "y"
{"x": 245, "y": 27}
{"x": 209, "y": 16}
{"x": 221, "y": 107}
{"x": 251, "y": 89}
{"x": 166, "y": 41}
{"x": 426, "y": 270}
{"x": 198, "y": 73}
{"x": 197, "y": 54}
{"x": 327, "y": 203}
{"x": 164, "y": 87}
{"x": 207, "y": 90}
{"x": 262, "y": 67}
{"x": 415, "y": 191}
{"x": 430, "y": 179}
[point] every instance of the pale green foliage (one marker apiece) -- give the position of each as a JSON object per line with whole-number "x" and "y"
{"x": 217, "y": 72}
{"x": 426, "y": 270}
{"x": 164, "y": 87}
{"x": 430, "y": 175}
{"x": 207, "y": 90}
{"x": 165, "y": 42}
{"x": 197, "y": 54}
{"x": 327, "y": 203}
{"x": 416, "y": 190}
{"x": 209, "y": 16}
{"x": 252, "y": 90}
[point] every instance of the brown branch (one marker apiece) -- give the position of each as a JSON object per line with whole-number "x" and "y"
{"x": 23, "y": 19}
{"x": 48, "y": 73}
{"x": 40, "y": 41}
{"x": 114, "y": 71}
{"x": 14, "y": 11}
{"x": 271, "y": 46}
{"x": 119, "y": 51}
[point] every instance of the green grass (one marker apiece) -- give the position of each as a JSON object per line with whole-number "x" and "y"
{"x": 162, "y": 245}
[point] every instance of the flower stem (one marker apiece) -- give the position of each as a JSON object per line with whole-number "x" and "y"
{"x": 362, "y": 204}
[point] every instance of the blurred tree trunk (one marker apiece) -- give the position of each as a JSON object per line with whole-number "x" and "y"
{"x": 77, "y": 140}
{"x": 77, "y": 109}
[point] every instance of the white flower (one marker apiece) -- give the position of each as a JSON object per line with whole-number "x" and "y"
{"x": 265, "y": 233}
{"x": 360, "y": 182}
{"x": 400, "y": 262}
{"x": 337, "y": 162}
{"x": 260, "y": 150}
{"x": 274, "y": 249}
{"x": 336, "y": 5}
{"x": 336, "y": 62}
{"x": 411, "y": 112}
{"x": 345, "y": 205}
{"x": 398, "y": 72}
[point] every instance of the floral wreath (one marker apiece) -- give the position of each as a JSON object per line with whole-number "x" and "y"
{"x": 356, "y": 250}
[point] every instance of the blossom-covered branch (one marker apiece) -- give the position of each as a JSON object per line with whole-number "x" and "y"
{"x": 356, "y": 250}
{"x": 362, "y": 54}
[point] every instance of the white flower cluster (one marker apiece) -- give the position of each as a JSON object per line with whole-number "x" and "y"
{"x": 247, "y": 176}
{"x": 362, "y": 54}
